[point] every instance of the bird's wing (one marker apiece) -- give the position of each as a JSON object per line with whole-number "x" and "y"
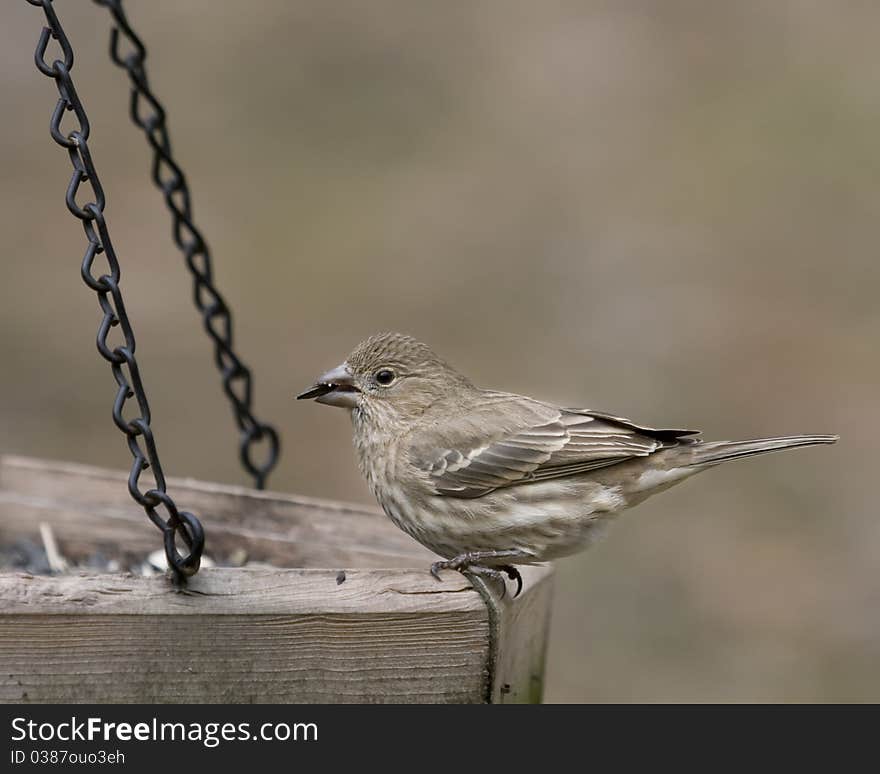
{"x": 510, "y": 441}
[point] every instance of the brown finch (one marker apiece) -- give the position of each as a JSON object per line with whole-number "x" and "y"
{"x": 488, "y": 479}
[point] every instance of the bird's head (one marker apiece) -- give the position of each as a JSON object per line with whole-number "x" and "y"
{"x": 389, "y": 376}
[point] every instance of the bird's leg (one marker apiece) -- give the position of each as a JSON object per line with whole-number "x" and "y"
{"x": 467, "y": 560}
{"x": 487, "y": 572}
{"x": 473, "y": 562}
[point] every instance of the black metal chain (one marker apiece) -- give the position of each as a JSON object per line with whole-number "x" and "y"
{"x": 169, "y": 178}
{"x": 121, "y": 358}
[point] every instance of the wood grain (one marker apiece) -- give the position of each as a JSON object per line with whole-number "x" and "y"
{"x": 239, "y": 635}
{"x": 519, "y": 641}
{"x": 92, "y": 510}
{"x": 387, "y": 634}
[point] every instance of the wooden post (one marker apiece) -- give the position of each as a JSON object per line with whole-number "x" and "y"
{"x": 388, "y": 633}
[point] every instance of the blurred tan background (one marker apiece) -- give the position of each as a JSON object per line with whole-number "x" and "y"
{"x": 667, "y": 211}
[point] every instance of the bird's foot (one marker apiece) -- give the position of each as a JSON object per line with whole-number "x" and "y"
{"x": 472, "y": 563}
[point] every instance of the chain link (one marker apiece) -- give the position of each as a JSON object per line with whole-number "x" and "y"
{"x": 122, "y": 356}
{"x": 148, "y": 114}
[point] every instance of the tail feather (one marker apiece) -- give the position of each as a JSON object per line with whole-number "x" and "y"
{"x": 714, "y": 452}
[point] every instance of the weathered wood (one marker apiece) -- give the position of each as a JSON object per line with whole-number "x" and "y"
{"x": 241, "y": 635}
{"x": 519, "y": 641}
{"x": 251, "y": 635}
{"x": 92, "y": 510}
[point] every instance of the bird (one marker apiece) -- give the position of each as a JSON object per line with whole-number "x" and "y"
{"x": 490, "y": 480}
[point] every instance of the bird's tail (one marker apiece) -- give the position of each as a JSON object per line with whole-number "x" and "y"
{"x": 715, "y": 452}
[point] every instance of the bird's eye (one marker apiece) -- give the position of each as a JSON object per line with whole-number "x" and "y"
{"x": 384, "y": 376}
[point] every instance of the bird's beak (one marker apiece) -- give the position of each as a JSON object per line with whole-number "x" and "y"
{"x": 335, "y": 388}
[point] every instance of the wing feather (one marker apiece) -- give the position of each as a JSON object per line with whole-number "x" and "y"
{"x": 512, "y": 441}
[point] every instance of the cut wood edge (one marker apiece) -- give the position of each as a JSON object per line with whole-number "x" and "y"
{"x": 242, "y": 636}
{"x": 237, "y": 591}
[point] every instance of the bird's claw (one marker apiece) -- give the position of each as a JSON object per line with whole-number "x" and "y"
{"x": 514, "y": 575}
{"x": 465, "y": 565}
